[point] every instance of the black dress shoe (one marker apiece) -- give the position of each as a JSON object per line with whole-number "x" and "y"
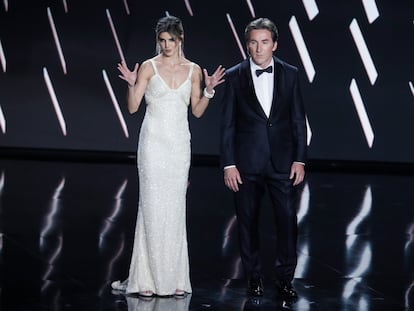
{"x": 255, "y": 287}
{"x": 286, "y": 290}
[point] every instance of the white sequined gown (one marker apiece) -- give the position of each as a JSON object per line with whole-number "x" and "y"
{"x": 160, "y": 256}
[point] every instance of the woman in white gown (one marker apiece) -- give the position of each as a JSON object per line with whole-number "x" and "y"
{"x": 170, "y": 84}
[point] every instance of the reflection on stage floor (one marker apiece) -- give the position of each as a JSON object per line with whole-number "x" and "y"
{"x": 66, "y": 232}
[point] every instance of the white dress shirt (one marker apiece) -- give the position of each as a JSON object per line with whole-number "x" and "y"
{"x": 263, "y": 86}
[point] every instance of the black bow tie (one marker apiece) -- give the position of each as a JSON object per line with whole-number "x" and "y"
{"x": 260, "y": 71}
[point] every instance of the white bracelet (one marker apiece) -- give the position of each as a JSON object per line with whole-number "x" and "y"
{"x": 208, "y": 95}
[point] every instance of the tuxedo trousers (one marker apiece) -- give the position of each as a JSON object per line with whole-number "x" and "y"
{"x": 283, "y": 198}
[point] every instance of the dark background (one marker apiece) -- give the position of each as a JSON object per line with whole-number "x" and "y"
{"x": 89, "y": 48}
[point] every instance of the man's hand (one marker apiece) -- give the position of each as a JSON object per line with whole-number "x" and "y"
{"x": 297, "y": 173}
{"x": 232, "y": 178}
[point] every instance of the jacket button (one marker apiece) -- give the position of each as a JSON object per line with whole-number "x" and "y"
{"x": 270, "y": 124}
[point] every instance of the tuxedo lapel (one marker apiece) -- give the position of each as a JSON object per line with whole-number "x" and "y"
{"x": 278, "y": 80}
{"x": 248, "y": 88}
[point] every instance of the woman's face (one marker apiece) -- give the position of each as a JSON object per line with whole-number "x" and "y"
{"x": 169, "y": 45}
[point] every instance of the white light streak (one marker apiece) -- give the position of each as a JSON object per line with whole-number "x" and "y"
{"x": 51, "y": 261}
{"x": 302, "y": 49}
{"x": 350, "y": 240}
{"x": 408, "y": 301}
{"x": 349, "y": 287}
{"x": 115, "y": 212}
{"x": 363, "y": 303}
{"x": 302, "y": 304}
{"x": 251, "y": 8}
{"x": 126, "y": 7}
{"x": 2, "y": 58}
{"x": 118, "y": 45}
{"x": 188, "y": 6}
{"x": 57, "y": 42}
{"x": 410, "y": 84}
{"x": 236, "y": 37}
{"x": 54, "y": 211}
{"x": 65, "y": 6}
{"x": 2, "y": 121}
{"x": 54, "y": 101}
{"x": 232, "y": 223}
{"x": 363, "y": 264}
{"x": 362, "y": 114}
{"x": 1, "y": 182}
{"x": 371, "y": 10}
{"x": 115, "y": 104}
{"x": 311, "y": 8}
{"x": 6, "y": 5}
{"x": 309, "y": 132}
{"x": 363, "y": 51}
{"x": 117, "y": 254}
{"x": 410, "y": 234}
{"x": 363, "y": 213}
{"x": 303, "y": 261}
{"x": 304, "y": 204}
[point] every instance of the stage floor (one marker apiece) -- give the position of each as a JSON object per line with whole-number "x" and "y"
{"x": 66, "y": 232}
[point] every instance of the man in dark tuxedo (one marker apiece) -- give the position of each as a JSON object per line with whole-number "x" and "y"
{"x": 263, "y": 144}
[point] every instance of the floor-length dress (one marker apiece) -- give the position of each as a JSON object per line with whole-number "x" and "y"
{"x": 159, "y": 260}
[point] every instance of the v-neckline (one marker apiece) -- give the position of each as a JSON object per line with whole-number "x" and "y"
{"x": 165, "y": 83}
{"x": 156, "y": 73}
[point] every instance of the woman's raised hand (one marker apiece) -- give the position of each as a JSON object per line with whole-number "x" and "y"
{"x": 127, "y": 75}
{"x": 215, "y": 79}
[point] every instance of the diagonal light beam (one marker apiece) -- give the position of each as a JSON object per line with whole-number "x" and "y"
{"x": 54, "y": 101}
{"x": 3, "y": 64}
{"x": 65, "y": 6}
{"x": 188, "y": 6}
{"x": 118, "y": 45}
{"x": 2, "y": 58}
{"x": 362, "y": 114}
{"x": 363, "y": 51}
{"x": 302, "y": 49}
{"x": 1, "y": 182}
{"x": 371, "y": 10}
{"x": 126, "y": 7}
{"x": 6, "y": 5}
{"x": 251, "y": 8}
{"x": 115, "y": 103}
{"x": 311, "y": 8}
{"x": 57, "y": 42}
{"x": 236, "y": 37}
{"x": 410, "y": 84}
{"x": 2, "y": 121}
{"x": 309, "y": 132}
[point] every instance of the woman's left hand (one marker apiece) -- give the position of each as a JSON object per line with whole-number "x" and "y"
{"x": 215, "y": 79}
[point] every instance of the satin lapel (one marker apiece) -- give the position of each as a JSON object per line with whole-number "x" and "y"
{"x": 247, "y": 87}
{"x": 278, "y": 80}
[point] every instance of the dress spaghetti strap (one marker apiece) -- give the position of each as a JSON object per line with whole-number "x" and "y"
{"x": 154, "y": 66}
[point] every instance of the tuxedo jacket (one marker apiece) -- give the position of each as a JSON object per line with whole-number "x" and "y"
{"x": 249, "y": 139}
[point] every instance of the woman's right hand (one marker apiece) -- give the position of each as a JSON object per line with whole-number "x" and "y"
{"x": 127, "y": 75}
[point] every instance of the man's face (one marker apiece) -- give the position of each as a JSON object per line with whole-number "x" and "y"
{"x": 261, "y": 46}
